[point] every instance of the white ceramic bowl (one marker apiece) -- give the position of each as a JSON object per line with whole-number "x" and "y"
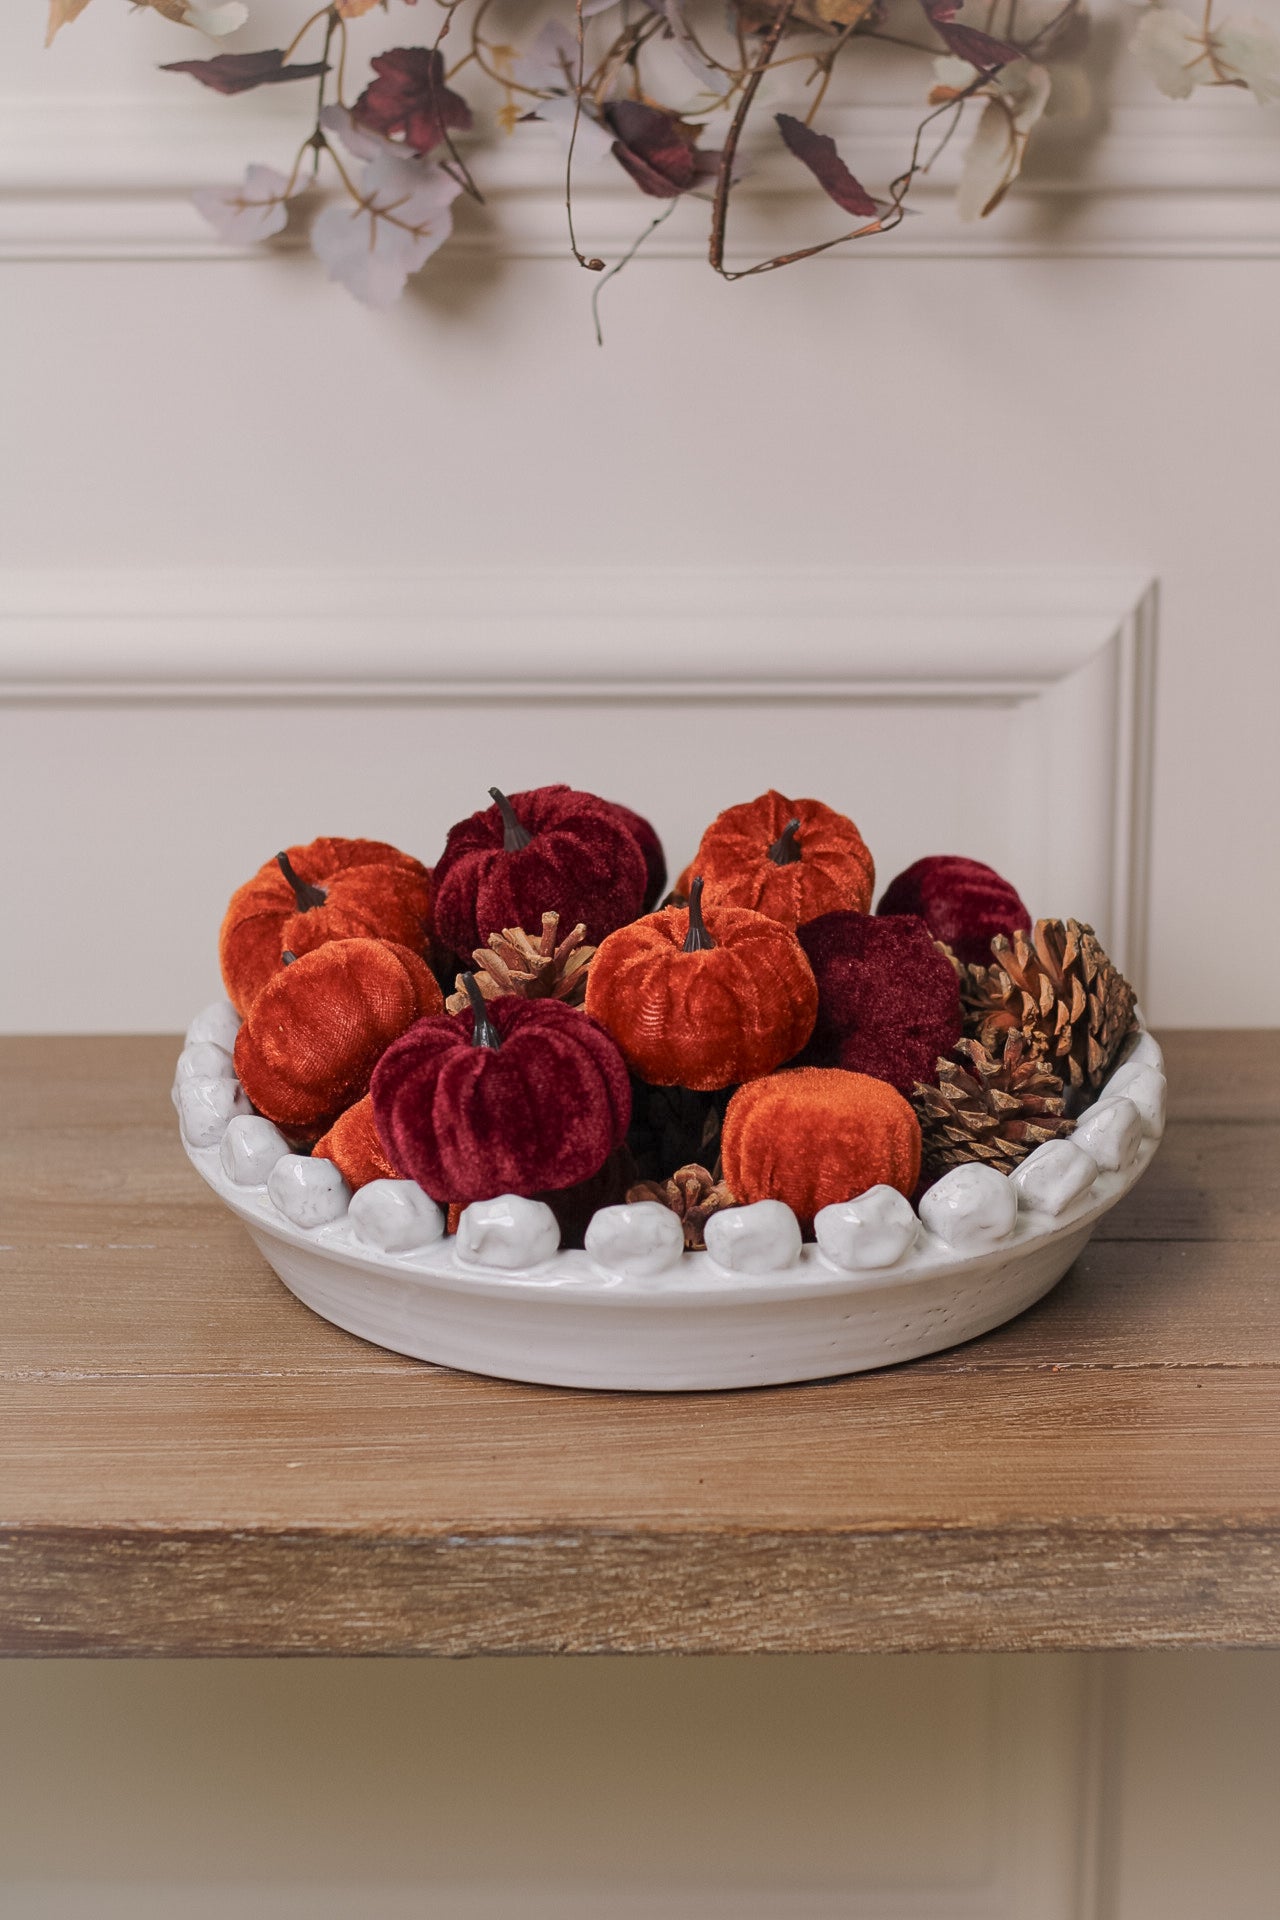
{"x": 633, "y": 1312}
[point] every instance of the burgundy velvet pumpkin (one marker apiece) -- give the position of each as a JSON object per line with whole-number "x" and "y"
{"x": 655, "y": 860}
{"x": 511, "y": 1096}
{"x": 888, "y": 1000}
{"x": 551, "y": 850}
{"x": 962, "y": 902}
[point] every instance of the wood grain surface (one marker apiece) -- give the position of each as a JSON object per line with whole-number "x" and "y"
{"x": 190, "y": 1462}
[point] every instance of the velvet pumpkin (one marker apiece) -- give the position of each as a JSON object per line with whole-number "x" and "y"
{"x": 962, "y": 902}
{"x": 791, "y": 859}
{"x": 353, "y": 1145}
{"x": 551, "y": 850}
{"x": 655, "y": 860}
{"x": 888, "y": 1000}
{"x": 814, "y": 1136}
{"x": 326, "y": 890}
{"x": 703, "y": 1002}
{"x": 317, "y": 1029}
{"x": 510, "y": 1096}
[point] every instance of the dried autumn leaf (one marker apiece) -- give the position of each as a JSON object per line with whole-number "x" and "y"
{"x": 250, "y": 212}
{"x": 61, "y": 14}
{"x": 980, "y": 50}
{"x": 409, "y": 101}
{"x": 1180, "y": 55}
{"x": 402, "y": 216}
{"x": 1015, "y": 100}
{"x": 241, "y": 72}
{"x": 817, "y": 151}
{"x": 657, "y": 148}
{"x": 217, "y": 20}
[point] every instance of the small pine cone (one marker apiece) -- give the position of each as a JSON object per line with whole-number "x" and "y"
{"x": 1058, "y": 988}
{"x": 993, "y": 1106}
{"x": 692, "y": 1194}
{"x": 549, "y": 969}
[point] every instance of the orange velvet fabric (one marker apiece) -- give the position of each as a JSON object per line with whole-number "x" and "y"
{"x": 318, "y": 1028}
{"x": 372, "y": 891}
{"x": 710, "y": 1018}
{"x": 817, "y": 1135}
{"x": 353, "y": 1145}
{"x": 835, "y": 868}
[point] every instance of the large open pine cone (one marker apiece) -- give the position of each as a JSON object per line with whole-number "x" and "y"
{"x": 1057, "y": 987}
{"x": 543, "y": 969}
{"x": 993, "y": 1106}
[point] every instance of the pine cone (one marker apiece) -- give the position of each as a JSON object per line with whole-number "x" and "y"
{"x": 511, "y": 963}
{"x": 1057, "y": 987}
{"x": 692, "y": 1194}
{"x": 990, "y": 1106}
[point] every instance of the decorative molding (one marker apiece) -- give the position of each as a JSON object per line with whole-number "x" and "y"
{"x": 110, "y": 178}
{"x": 1073, "y": 647}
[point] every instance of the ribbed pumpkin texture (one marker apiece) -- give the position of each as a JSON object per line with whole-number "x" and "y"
{"x": 814, "y": 1136}
{"x": 888, "y": 1000}
{"x": 541, "y": 1107}
{"x": 317, "y": 1029}
{"x": 703, "y": 1002}
{"x": 962, "y": 902}
{"x": 326, "y": 890}
{"x": 353, "y": 1145}
{"x": 790, "y": 859}
{"x": 550, "y": 850}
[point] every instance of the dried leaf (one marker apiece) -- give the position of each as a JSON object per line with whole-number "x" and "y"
{"x": 241, "y": 72}
{"x": 817, "y": 151}
{"x": 402, "y": 217}
{"x": 409, "y": 101}
{"x": 1180, "y": 56}
{"x": 980, "y": 50}
{"x": 1015, "y": 100}
{"x": 657, "y": 148}
{"x": 61, "y": 14}
{"x": 250, "y": 212}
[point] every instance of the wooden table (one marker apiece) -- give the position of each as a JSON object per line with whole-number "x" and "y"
{"x": 190, "y": 1462}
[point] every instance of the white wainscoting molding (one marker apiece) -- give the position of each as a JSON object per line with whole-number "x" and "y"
{"x": 110, "y": 177}
{"x": 1072, "y": 650}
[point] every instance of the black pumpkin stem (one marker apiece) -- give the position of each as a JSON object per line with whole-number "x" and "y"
{"x": 697, "y": 940}
{"x": 785, "y": 850}
{"x": 514, "y": 836}
{"x": 287, "y": 959}
{"x": 304, "y": 894}
{"x": 484, "y": 1033}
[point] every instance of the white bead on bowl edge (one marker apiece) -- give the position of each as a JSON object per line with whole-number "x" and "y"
{"x": 870, "y": 1232}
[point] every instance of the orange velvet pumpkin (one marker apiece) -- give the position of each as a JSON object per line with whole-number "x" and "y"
{"x": 703, "y": 1003}
{"x": 353, "y": 1145}
{"x": 791, "y": 859}
{"x": 814, "y": 1136}
{"x": 318, "y": 1028}
{"x": 327, "y": 890}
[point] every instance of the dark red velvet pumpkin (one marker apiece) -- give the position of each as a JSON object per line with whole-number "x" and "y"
{"x": 316, "y": 1030}
{"x": 888, "y": 1000}
{"x": 326, "y": 890}
{"x": 962, "y": 902}
{"x": 511, "y": 1096}
{"x": 551, "y": 850}
{"x": 655, "y": 860}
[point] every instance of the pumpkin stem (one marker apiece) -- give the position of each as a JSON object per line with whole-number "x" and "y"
{"x": 304, "y": 894}
{"x": 514, "y": 836}
{"x": 697, "y": 940}
{"x": 785, "y": 850}
{"x": 287, "y": 959}
{"x": 484, "y": 1033}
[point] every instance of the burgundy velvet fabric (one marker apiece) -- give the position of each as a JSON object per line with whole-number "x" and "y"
{"x": 888, "y": 1001}
{"x": 583, "y": 862}
{"x": 655, "y": 860}
{"x": 544, "y": 1109}
{"x": 962, "y": 902}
